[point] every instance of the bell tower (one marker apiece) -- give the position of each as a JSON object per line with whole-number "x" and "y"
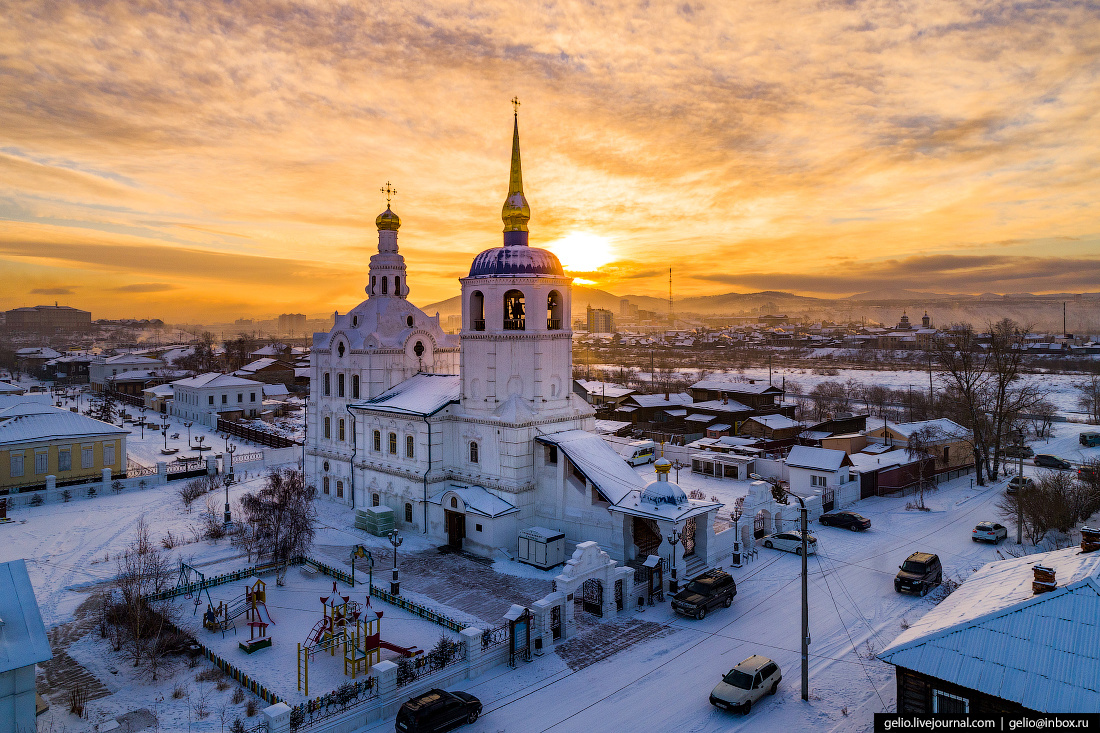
{"x": 387, "y": 268}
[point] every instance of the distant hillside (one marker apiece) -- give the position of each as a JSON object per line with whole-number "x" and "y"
{"x": 903, "y": 295}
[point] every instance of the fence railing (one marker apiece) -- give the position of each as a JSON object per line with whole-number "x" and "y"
{"x": 263, "y": 437}
{"x": 421, "y": 611}
{"x": 494, "y": 637}
{"x": 411, "y": 670}
{"x": 345, "y": 697}
{"x": 135, "y": 469}
{"x": 248, "y": 457}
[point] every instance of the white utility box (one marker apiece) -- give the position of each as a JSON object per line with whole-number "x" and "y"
{"x": 542, "y": 547}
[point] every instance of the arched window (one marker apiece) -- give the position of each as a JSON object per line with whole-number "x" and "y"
{"x": 325, "y": 385}
{"x": 473, "y": 452}
{"x": 339, "y": 489}
{"x": 477, "y": 311}
{"x": 377, "y": 441}
{"x": 393, "y": 444}
{"x": 340, "y": 350}
{"x": 324, "y": 484}
{"x": 340, "y": 429}
{"x": 385, "y": 284}
{"x": 373, "y": 283}
{"x": 374, "y": 500}
{"x": 514, "y": 318}
{"x": 454, "y": 503}
{"x": 328, "y": 427}
{"x": 355, "y": 386}
{"x": 409, "y": 445}
{"x": 553, "y": 311}
{"x": 340, "y": 384}
{"x": 408, "y": 512}
{"x": 409, "y": 321}
{"x": 397, "y": 286}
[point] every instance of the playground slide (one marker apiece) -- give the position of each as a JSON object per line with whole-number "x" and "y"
{"x": 411, "y": 651}
{"x": 267, "y": 613}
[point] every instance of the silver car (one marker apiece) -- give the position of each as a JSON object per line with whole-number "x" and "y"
{"x": 790, "y": 542}
{"x": 746, "y": 683}
{"x": 989, "y": 532}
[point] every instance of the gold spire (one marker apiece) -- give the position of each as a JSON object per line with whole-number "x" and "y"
{"x": 388, "y": 220}
{"x": 516, "y": 212}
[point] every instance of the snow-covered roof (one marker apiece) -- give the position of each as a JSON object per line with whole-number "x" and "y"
{"x": 216, "y": 380}
{"x": 724, "y": 385}
{"x": 477, "y": 500}
{"x": 676, "y": 412}
{"x": 38, "y": 352}
{"x": 818, "y": 459}
{"x": 161, "y": 390}
{"x": 700, "y": 418}
{"x": 257, "y": 365}
{"x": 721, "y": 406}
{"x": 23, "y": 640}
{"x": 275, "y": 390}
{"x": 422, "y": 394}
{"x": 815, "y": 434}
{"x": 32, "y": 421}
{"x": 948, "y": 428}
{"x": 610, "y": 426}
{"x": 599, "y": 463}
{"x": 603, "y": 389}
{"x": 775, "y": 422}
{"x": 862, "y": 462}
{"x": 719, "y": 426}
{"x": 6, "y": 388}
{"x": 658, "y": 400}
{"x": 995, "y": 635}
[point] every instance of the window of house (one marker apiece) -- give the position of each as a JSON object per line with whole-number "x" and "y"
{"x": 65, "y": 459}
{"x": 409, "y": 446}
{"x": 210, "y": 399}
{"x": 240, "y": 397}
{"x": 947, "y": 704}
{"x": 87, "y": 456}
{"x": 355, "y": 386}
{"x": 339, "y": 489}
{"x": 41, "y": 462}
{"x": 408, "y": 512}
{"x": 328, "y": 427}
{"x": 378, "y": 441}
{"x": 16, "y": 465}
{"x": 340, "y": 429}
{"x": 225, "y": 399}
{"x": 375, "y": 500}
{"x": 325, "y": 484}
{"x": 393, "y": 444}
{"x": 477, "y": 527}
{"x": 816, "y": 480}
{"x": 325, "y": 384}
{"x": 252, "y": 397}
{"x": 946, "y": 453}
{"x": 108, "y": 454}
{"x": 473, "y": 452}
{"x": 339, "y": 385}
{"x": 551, "y": 455}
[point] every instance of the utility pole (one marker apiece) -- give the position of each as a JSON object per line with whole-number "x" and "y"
{"x": 1019, "y": 489}
{"x": 805, "y": 609}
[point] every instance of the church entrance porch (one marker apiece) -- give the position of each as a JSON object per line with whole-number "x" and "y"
{"x": 647, "y": 537}
{"x": 456, "y": 528}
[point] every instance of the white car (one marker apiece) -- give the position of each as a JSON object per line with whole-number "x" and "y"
{"x": 746, "y": 683}
{"x": 989, "y": 532}
{"x": 791, "y": 542}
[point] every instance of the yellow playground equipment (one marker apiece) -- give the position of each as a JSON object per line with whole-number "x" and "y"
{"x": 343, "y": 626}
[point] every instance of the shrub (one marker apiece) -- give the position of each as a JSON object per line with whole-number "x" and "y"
{"x": 238, "y": 696}
{"x": 251, "y": 707}
{"x": 179, "y": 691}
{"x": 66, "y": 495}
{"x": 37, "y": 500}
{"x": 91, "y": 492}
{"x": 78, "y": 702}
{"x": 116, "y": 486}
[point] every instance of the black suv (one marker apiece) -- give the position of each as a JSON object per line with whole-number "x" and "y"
{"x": 705, "y": 592}
{"x": 845, "y": 520}
{"x": 437, "y": 710}
{"x": 920, "y": 572}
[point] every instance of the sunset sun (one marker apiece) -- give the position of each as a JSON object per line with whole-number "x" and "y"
{"x": 582, "y": 251}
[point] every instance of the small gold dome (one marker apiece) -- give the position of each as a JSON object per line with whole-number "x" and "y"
{"x": 388, "y": 221}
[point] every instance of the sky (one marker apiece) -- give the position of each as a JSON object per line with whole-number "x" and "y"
{"x": 197, "y": 161}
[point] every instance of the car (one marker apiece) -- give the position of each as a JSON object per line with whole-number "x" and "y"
{"x": 1088, "y": 473}
{"x": 790, "y": 542}
{"x": 436, "y": 711}
{"x": 1089, "y": 439}
{"x": 845, "y": 520}
{"x": 1018, "y": 482}
{"x": 707, "y": 591}
{"x": 920, "y": 572}
{"x": 1019, "y": 451}
{"x": 746, "y": 683}
{"x": 1048, "y": 461}
{"x": 989, "y": 532}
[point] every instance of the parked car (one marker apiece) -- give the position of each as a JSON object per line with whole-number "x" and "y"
{"x": 920, "y": 572}
{"x": 989, "y": 532}
{"x": 1088, "y": 473}
{"x": 845, "y": 520}
{"x": 705, "y": 592}
{"x": 436, "y": 711}
{"x": 1019, "y": 451}
{"x": 1089, "y": 439}
{"x": 1048, "y": 461}
{"x": 746, "y": 683}
{"x": 1018, "y": 482}
{"x": 791, "y": 542}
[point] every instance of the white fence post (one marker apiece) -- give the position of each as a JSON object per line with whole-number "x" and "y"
{"x": 277, "y": 717}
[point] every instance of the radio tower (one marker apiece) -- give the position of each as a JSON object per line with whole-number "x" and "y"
{"x": 671, "y": 322}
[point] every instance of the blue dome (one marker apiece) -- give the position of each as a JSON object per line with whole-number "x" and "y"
{"x": 517, "y": 262}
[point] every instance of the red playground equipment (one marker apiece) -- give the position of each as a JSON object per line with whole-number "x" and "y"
{"x": 253, "y": 605}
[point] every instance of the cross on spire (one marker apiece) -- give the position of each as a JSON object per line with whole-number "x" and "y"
{"x": 389, "y": 191}
{"x": 515, "y": 105}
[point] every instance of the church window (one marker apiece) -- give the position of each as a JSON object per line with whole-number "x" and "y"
{"x": 325, "y": 484}
{"x": 377, "y": 441}
{"x": 340, "y": 429}
{"x": 418, "y": 349}
{"x": 326, "y": 385}
{"x": 409, "y": 321}
{"x": 553, "y": 311}
{"x": 514, "y": 318}
{"x": 373, "y": 282}
{"x": 408, "y": 512}
{"x": 385, "y": 288}
{"x": 326, "y": 466}
{"x": 339, "y": 385}
{"x": 355, "y": 386}
{"x": 393, "y": 444}
{"x": 354, "y": 321}
{"x": 473, "y": 452}
{"x": 339, "y": 489}
{"x": 454, "y": 503}
{"x": 409, "y": 445}
{"x": 340, "y": 350}
{"x": 397, "y": 286}
{"x": 374, "y": 500}
{"x": 328, "y": 427}
{"x": 477, "y": 311}
{"x": 551, "y": 455}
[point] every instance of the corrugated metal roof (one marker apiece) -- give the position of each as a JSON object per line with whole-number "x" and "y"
{"x": 23, "y": 640}
{"x": 29, "y": 422}
{"x": 421, "y": 394}
{"x": 605, "y": 468}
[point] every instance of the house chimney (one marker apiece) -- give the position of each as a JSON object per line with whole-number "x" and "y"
{"x": 1090, "y": 539}
{"x": 725, "y": 399}
{"x": 1044, "y": 579}
{"x": 666, "y": 395}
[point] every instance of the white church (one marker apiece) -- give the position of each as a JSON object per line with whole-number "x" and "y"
{"x": 473, "y": 439}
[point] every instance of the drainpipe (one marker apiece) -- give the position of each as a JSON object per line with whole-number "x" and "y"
{"x": 429, "y": 469}
{"x": 351, "y": 475}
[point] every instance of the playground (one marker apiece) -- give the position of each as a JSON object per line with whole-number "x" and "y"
{"x": 304, "y": 635}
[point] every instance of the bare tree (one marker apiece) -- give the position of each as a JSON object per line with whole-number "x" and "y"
{"x": 1089, "y": 400}
{"x": 283, "y": 515}
{"x": 141, "y": 571}
{"x": 1055, "y": 503}
{"x": 920, "y": 446}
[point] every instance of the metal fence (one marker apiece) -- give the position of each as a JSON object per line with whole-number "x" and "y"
{"x": 345, "y": 697}
{"x": 419, "y": 667}
{"x": 421, "y": 611}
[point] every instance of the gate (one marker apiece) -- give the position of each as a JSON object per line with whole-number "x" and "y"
{"x": 828, "y": 500}
{"x": 688, "y": 537}
{"x": 868, "y": 484}
{"x": 592, "y": 596}
{"x": 555, "y": 622}
{"x": 758, "y": 530}
{"x": 618, "y": 595}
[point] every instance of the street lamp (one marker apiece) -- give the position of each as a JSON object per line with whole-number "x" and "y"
{"x": 188, "y": 426}
{"x": 805, "y": 606}
{"x": 142, "y": 411}
{"x": 228, "y": 481}
{"x": 395, "y": 584}
{"x": 673, "y": 539}
{"x": 164, "y": 432}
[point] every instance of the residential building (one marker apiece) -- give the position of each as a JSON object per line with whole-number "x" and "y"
{"x": 47, "y": 319}
{"x": 23, "y": 644}
{"x": 822, "y": 471}
{"x": 292, "y": 323}
{"x": 103, "y": 371}
{"x": 601, "y": 395}
{"x": 945, "y": 440}
{"x": 208, "y": 397}
{"x": 600, "y": 320}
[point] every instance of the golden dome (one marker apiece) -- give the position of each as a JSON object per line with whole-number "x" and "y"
{"x": 388, "y": 220}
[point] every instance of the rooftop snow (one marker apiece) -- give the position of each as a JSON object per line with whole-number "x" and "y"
{"x": 215, "y": 379}
{"x": 23, "y": 641}
{"x": 734, "y": 387}
{"x": 659, "y": 400}
{"x": 775, "y": 422}
{"x": 721, "y": 406}
{"x": 820, "y": 459}
{"x": 599, "y": 463}
{"x": 477, "y": 500}
{"x": 422, "y": 394}
{"x": 30, "y": 421}
{"x": 949, "y": 428}
{"x": 603, "y": 389}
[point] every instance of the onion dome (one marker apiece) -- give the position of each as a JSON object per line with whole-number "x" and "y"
{"x": 516, "y": 261}
{"x": 388, "y": 221}
{"x": 663, "y": 491}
